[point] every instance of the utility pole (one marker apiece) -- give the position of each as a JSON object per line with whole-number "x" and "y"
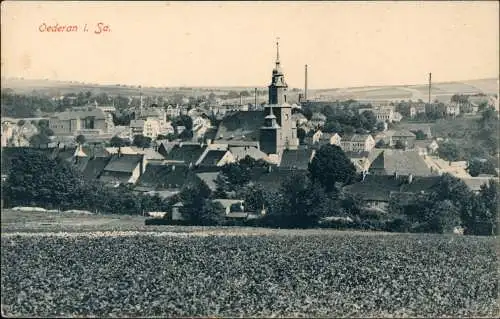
{"x": 430, "y": 86}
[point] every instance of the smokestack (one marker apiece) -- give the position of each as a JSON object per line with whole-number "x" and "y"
{"x": 305, "y": 85}
{"x": 430, "y": 86}
{"x": 255, "y": 93}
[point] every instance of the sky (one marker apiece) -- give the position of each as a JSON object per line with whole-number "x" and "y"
{"x": 344, "y": 44}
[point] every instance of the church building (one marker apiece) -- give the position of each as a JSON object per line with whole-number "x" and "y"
{"x": 274, "y": 129}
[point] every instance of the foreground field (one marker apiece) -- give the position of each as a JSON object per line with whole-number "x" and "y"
{"x": 278, "y": 273}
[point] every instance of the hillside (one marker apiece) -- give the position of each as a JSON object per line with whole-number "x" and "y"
{"x": 440, "y": 91}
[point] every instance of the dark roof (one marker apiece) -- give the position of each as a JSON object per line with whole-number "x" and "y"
{"x": 209, "y": 179}
{"x": 298, "y": 158}
{"x": 239, "y": 124}
{"x": 187, "y": 153}
{"x": 123, "y": 163}
{"x": 95, "y": 166}
{"x": 271, "y": 180}
{"x": 357, "y": 155}
{"x": 161, "y": 176}
{"x": 375, "y": 187}
{"x": 212, "y": 157}
{"x": 210, "y": 133}
{"x": 402, "y": 162}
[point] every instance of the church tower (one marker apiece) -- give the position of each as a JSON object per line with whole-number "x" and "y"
{"x": 279, "y": 107}
{"x": 270, "y": 135}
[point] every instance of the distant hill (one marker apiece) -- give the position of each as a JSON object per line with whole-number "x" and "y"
{"x": 440, "y": 91}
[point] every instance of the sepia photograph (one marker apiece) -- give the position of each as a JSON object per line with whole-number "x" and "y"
{"x": 250, "y": 159}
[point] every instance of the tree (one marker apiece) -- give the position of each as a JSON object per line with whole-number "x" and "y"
{"x": 380, "y": 126}
{"x": 449, "y": 151}
{"x": 477, "y": 167}
{"x": 482, "y": 216}
{"x": 194, "y": 197}
{"x": 369, "y": 120}
{"x": 39, "y": 140}
{"x": 329, "y": 166}
{"x": 442, "y": 217}
{"x": 118, "y": 142}
{"x": 80, "y": 139}
{"x": 420, "y": 135}
{"x": 142, "y": 141}
{"x": 303, "y": 202}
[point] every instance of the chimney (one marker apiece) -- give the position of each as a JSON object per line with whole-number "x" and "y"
{"x": 255, "y": 95}
{"x": 430, "y": 87}
{"x": 305, "y": 85}
{"x": 410, "y": 178}
{"x": 119, "y": 151}
{"x": 173, "y": 167}
{"x": 396, "y": 175}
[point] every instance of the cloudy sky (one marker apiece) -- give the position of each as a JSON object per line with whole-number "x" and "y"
{"x": 233, "y": 44}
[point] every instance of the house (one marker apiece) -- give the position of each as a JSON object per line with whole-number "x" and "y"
{"x": 241, "y": 152}
{"x": 415, "y": 127}
{"x": 187, "y": 153}
{"x": 90, "y": 122}
{"x": 235, "y": 209}
{"x": 165, "y": 147}
{"x": 215, "y": 157}
{"x": 452, "y": 109}
{"x": 405, "y": 137}
{"x": 123, "y": 169}
{"x": 377, "y": 191}
{"x": 357, "y": 143}
{"x": 296, "y": 159}
{"x": 173, "y": 111}
{"x": 209, "y": 178}
{"x": 164, "y": 179}
{"x": 404, "y": 163}
{"x": 330, "y": 138}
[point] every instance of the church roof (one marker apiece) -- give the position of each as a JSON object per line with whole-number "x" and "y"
{"x": 241, "y": 126}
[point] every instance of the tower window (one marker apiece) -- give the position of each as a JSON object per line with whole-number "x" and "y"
{"x": 284, "y": 97}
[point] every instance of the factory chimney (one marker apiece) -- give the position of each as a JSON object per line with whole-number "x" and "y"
{"x": 305, "y": 85}
{"x": 255, "y": 93}
{"x": 430, "y": 86}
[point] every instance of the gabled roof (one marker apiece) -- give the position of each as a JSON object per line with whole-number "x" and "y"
{"x": 123, "y": 163}
{"x": 241, "y": 125}
{"x": 209, "y": 179}
{"x": 186, "y": 153}
{"x": 375, "y": 187}
{"x": 357, "y": 138}
{"x": 402, "y": 162}
{"x": 240, "y": 152}
{"x": 164, "y": 176}
{"x": 95, "y": 166}
{"x": 298, "y": 158}
{"x": 69, "y": 115}
{"x": 212, "y": 157}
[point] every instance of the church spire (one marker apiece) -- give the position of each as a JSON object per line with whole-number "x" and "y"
{"x": 277, "y": 51}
